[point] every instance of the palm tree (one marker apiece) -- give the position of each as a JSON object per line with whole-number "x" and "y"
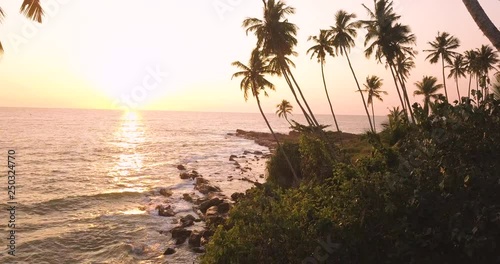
{"x": 342, "y": 40}
{"x": 483, "y": 22}
{"x": 486, "y": 60}
{"x": 442, "y": 48}
{"x": 372, "y": 88}
{"x": 386, "y": 38}
{"x": 458, "y": 69}
{"x": 428, "y": 88}
{"x": 31, "y": 9}
{"x": 283, "y": 109}
{"x": 321, "y": 49}
{"x": 471, "y": 66}
{"x": 277, "y": 37}
{"x": 255, "y": 81}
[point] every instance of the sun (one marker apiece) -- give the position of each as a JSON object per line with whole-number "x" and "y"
{"x": 131, "y": 116}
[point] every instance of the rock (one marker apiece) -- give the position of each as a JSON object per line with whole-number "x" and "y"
{"x": 206, "y": 188}
{"x": 223, "y": 207}
{"x": 232, "y": 157}
{"x": 185, "y": 176}
{"x": 200, "y": 200}
{"x": 199, "y": 250}
{"x": 200, "y": 181}
{"x": 169, "y": 251}
{"x": 258, "y": 152}
{"x": 181, "y": 167}
{"x": 194, "y": 174}
{"x": 165, "y": 211}
{"x": 212, "y": 211}
{"x": 209, "y": 203}
{"x": 237, "y": 196}
{"x": 187, "y": 197}
{"x": 187, "y": 220}
{"x": 246, "y": 152}
{"x": 195, "y": 239}
{"x": 166, "y": 192}
{"x": 261, "y": 176}
{"x": 180, "y": 235}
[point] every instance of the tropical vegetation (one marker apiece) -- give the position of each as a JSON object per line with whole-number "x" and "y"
{"x": 426, "y": 191}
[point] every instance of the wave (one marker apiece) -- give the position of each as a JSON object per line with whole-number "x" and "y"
{"x": 72, "y": 203}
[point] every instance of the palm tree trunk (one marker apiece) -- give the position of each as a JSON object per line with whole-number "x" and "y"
{"x": 308, "y": 118}
{"x": 286, "y": 118}
{"x": 405, "y": 94}
{"x": 426, "y": 106}
{"x": 302, "y": 96}
{"x": 277, "y": 141}
{"x": 399, "y": 93}
{"x": 470, "y": 82}
{"x": 359, "y": 89}
{"x": 483, "y": 21}
{"x": 444, "y": 79}
{"x": 458, "y": 90}
{"x": 328, "y": 97}
{"x": 373, "y": 115}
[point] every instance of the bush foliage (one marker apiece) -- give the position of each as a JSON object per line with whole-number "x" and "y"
{"x": 428, "y": 195}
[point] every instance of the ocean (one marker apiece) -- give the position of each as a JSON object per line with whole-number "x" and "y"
{"x": 88, "y": 181}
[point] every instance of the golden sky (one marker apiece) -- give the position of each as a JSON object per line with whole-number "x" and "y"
{"x": 176, "y": 55}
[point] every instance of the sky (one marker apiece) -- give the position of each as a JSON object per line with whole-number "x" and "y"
{"x": 176, "y": 55}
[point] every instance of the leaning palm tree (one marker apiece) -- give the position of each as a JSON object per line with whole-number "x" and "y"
{"x": 254, "y": 81}
{"x": 442, "y": 48}
{"x": 388, "y": 39}
{"x": 372, "y": 88}
{"x": 321, "y": 49}
{"x": 276, "y": 36}
{"x": 31, "y": 9}
{"x": 342, "y": 40}
{"x": 458, "y": 69}
{"x": 483, "y": 22}
{"x": 284, "y": 109}
{"x": 428, "y": 87}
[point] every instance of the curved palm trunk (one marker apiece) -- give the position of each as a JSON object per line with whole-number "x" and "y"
{"x": 359, "y": 89}
{"x": 483, "y": 22}
{"x": 308, "y": 118}
{"x": 373, "y": 115}
{"x": 470, "y": 82}
{"x": 458, "y": 90}
{"x": 399, "y": 93}
{"x": 444, "y": 79}
{"x": 328, "y": 97}
{"x": 405, "y": 93}
{"x": 286, "y": 118}
{"x": 302, "y": 96}
{"x": 277, "y": 141}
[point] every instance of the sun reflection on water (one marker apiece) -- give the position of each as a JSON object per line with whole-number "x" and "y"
{"x": 127, "y": 141}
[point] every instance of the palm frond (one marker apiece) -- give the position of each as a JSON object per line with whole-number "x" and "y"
{"x": 32, "y": 10}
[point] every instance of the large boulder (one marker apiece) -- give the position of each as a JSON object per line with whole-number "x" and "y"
{"x": 187, "y": 220}
{"x": 195, "y": 239}
{"x": 180, "y": 235}
{"x": 209, "y": 203}
{"x": 224, "y": 207}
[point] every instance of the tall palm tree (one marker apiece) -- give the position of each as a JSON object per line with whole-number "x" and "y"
{"x": 254, "y": 81}
{"x": 372, "y": 88}
{"x": 442, "y": 48}
{"x": 389, "y": 39}
{"x": 31, "y": 9}
{"x": 276, "y": 36}
{"x": 458, "y": 69}
{"x": 342, "y": 40}
{"x": 284, "y": 109}
{"x": 487, "y": 58}
{"x": 470, "y": 57}
{"x": 483, "y": 22}
{"x": 321, "y": 49}
{"x": 428, "y": 87}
